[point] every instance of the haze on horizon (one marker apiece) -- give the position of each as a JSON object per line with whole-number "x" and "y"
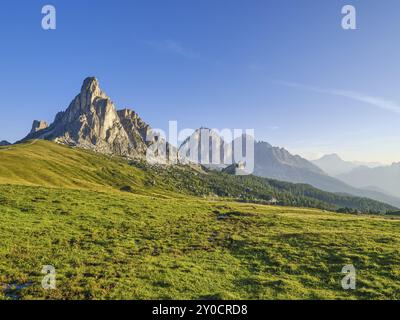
{"x": 290, "y": 73}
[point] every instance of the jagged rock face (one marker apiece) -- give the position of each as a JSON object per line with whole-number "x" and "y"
{"x": 210, "y": 148}
{"x": 137, "y": 130}
{"x": 38, "y": 125}
{"x": 278, "y": 163}
{"x": 205, "y": 146}
{"x": 92, "y": 122}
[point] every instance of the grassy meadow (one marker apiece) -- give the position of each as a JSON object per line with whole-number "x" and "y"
{"x": 113, "y": 232}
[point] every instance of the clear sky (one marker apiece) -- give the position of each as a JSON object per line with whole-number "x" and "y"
{"x": 285, "y": 68}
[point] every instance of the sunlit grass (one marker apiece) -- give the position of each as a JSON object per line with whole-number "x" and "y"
{"x": 109, "y": 246}
{"x": 64, "y": 208}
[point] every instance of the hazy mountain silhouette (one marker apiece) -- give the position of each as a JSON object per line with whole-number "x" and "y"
{"x": 278, "y": 163}
{"x": 386, "y": 178}
{"x": 333, "y": 165}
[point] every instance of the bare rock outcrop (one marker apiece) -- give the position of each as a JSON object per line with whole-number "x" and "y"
{"x": 138, "y": 131}
{"x": 92, "y": 122}
{"x": 38, "y": 125}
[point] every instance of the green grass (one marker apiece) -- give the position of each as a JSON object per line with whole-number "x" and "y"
{"x": 157, "y": 243}
{"x": 44, "y": 163}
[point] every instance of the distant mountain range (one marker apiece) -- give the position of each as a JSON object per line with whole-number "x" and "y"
{"x": 369, "y": 176}
{"x": 278, "y": 163}
{"x": 92, "y": 122}
{"x": 4, "y": 143}
{"x": 386, "y": 178}
{"x": 333, "y": 165}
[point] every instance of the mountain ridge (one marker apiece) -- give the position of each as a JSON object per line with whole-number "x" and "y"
{"x": 334, "y": 165}
{"x": 93, "y": 122}
{"x": 278, "y": 163}
{"x": 267, "y": 165}
{"x": 4, "y": 143}
{"x": 53, "y": 165}
{"x": 386, "y": 178}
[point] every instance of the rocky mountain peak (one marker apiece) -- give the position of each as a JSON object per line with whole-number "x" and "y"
{"x": 332, "y": 156}
{"x": 264, "y": 144}
{"x": 91, "y": 85}
{"x": 133, "y": 117}
{"x": 90, "y": 92}
{"x": 127, "y": 113}
{"x": 38, "y": 125}
{"x": 204, "y": 146}
{"x": 92, "y": 122}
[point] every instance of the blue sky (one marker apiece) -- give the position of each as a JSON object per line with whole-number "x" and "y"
{"x": 285, "y": 68}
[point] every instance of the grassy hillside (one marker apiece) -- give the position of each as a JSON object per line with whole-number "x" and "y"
{"x": 108, "y": 246}
{"x": 48, "y": 164}
{"x": 63, "y": 207}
